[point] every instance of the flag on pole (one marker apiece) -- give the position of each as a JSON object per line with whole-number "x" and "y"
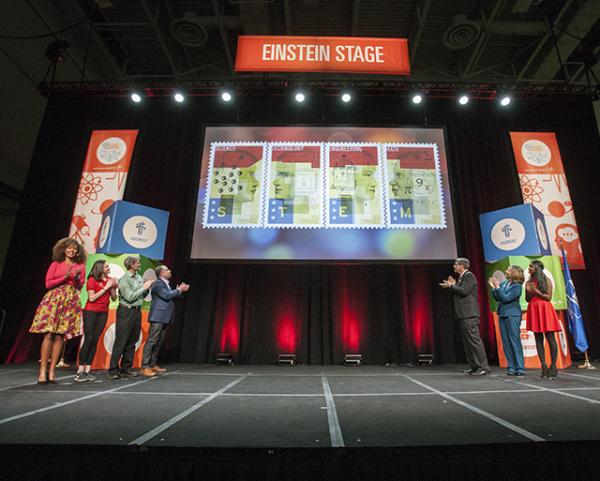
{"x": 573, "y": 312}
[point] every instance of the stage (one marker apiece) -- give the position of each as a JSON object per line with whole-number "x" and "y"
{"x": 300, "y": 407}
{"x": 241, "y": 422}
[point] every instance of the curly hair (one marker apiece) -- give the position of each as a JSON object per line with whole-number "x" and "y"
{"x": 58, "y": 251}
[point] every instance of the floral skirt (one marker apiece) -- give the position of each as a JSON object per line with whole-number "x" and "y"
{"x": 59, "y": 312}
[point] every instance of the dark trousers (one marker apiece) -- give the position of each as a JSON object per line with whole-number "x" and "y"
{"x": 474, "y": 349}
{"x": 93, "y": 325}
{"x": 127, "y": 333}
{"x": 510, "y": 332}
{"x": 156, "y": 336}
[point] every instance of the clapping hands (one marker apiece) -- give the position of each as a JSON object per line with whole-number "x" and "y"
{"x": 448, "y": 282}
{"x": 183, "y": 287}
{"x": 493, "y": 283}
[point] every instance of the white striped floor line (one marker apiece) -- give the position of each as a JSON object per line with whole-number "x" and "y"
{"x": 335, "y": 430}
{"x": 144, "y": 438}
{"x": 481, "y": 412}
{"x": 561, "y": 392}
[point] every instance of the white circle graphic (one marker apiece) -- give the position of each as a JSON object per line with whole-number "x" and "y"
{"x": 507, "y": 234}
{"x": 116, "y": 271}
{"x": 140, "y": 232}
{"x": 536, "y": 153}
{"x": 542, "y": 233}
{"x": 104, "y": 232}
{"x": 111, "y": 150}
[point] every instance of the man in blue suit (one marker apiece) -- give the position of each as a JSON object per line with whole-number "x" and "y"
{"x": 161, "y": 314}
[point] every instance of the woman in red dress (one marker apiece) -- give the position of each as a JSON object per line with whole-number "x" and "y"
{"x": 58, "y": 317}
{"x": 542, "y": 319}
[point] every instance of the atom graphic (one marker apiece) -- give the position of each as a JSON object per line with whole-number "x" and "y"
{"x": 88, "y": 188}
{"x": 531, "y": 190}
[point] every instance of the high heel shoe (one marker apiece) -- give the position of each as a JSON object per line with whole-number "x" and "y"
{"x": 545, "y": 372}
{"x": 43, "y": 381}
{"x": 552, "y": 372}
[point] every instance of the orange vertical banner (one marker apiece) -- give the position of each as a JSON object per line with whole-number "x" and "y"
{"x": 544, "y": 184}
{"x": 102, "y": 182}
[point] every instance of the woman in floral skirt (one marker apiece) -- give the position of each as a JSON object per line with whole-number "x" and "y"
{"x": 58, "y": 317}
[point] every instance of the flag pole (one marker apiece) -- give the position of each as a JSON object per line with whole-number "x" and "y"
{"x": 587, "y": 364}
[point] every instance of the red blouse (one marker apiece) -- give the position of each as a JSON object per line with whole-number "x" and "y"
{"x": 58, "y": 270}
{"x": 100, "y": 304}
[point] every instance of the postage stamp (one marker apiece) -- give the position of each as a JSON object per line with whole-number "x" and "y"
{"x": 235, "y": 184}
{"x": 295, "y": 185}
{"x": 413, "y": 186}
{"x": 354, "y": 186}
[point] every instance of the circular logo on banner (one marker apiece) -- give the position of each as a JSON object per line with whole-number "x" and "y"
{"x": 507, "y": 234}
{"x": 109, "y": 339}
{"x": 536, "y": 153}
{"x": 104, "y": 232}
{"x": 542, "y": 234}
{"x": 140, "y": 232}
{"x": 111, "y": 150}
{"x": 116, "y": 271}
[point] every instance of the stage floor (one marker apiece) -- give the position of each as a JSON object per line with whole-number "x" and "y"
{"x": 303, "y": 406}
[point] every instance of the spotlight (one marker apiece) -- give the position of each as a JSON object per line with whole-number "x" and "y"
{"x": 346, "y": 97}
{"x": 178, "y": 96}
{"x": 226, "y": 97}
{"x": 137, "y": 98}
{"x": 463, "y": 100}
{"x": 224, "y": 359}
{"x": 417, "y": 98}
{"x": 505, "y": 100}
{"x": 353, "y": 359}
{"x": 286, "y": 359}
{"x": 300, "y": 97}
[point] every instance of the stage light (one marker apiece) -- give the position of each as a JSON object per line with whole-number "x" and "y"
{"x": 300, "y": 97}
{"x": 178, "y": 96}
{"x": 424, "y": 359}
{"x": 346, "y": 97}
{"x": 353, "y": 359}
{"x": 463, "y": 100}
{"x": 226, "y": 97}
{"x": 224, "y": 358}
{"x": 137, "y": 98}
{"x": 505, "y": 100}
{"x": 417, "y": 98}
{"x": 286, "y": 359}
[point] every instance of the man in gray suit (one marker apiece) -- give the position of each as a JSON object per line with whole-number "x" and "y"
{"x": 466, "y": 310}
{"x": 161, "y": 314}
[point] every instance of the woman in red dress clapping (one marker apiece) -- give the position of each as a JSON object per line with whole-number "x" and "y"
{"x": 542, "y": 319}
{"x": 58, "y": 317}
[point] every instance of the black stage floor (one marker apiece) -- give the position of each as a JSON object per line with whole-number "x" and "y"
{"x": 303, "y": 406}
{"x": 271, "y": 409}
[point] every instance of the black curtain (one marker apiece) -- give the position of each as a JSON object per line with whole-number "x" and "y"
{"x": 397, "y": 319}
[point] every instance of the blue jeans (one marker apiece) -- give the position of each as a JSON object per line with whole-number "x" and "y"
{"x": 510, "y": 331}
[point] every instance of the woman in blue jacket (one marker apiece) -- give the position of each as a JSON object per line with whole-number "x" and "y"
{"x": 508, "y": 294}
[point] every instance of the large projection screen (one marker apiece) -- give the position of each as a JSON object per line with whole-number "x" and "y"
{"x": 323, "y": 194}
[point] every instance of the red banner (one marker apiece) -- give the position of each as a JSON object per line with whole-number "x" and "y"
{"x": 544, "y": 184}
{"x": 258, "y": 53}
{"x": 102, "y": 182}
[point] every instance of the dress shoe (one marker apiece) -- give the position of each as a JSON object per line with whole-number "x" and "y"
{"x": 158, "y": 369}
{"x": 147, "y": 372}
{"x": 480, "y": 372}
{"x": 469, "y": 371}
{"x": 511, "y": 373}
{"x": 129, "y": 373}
{"x": 520, "y": 374}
